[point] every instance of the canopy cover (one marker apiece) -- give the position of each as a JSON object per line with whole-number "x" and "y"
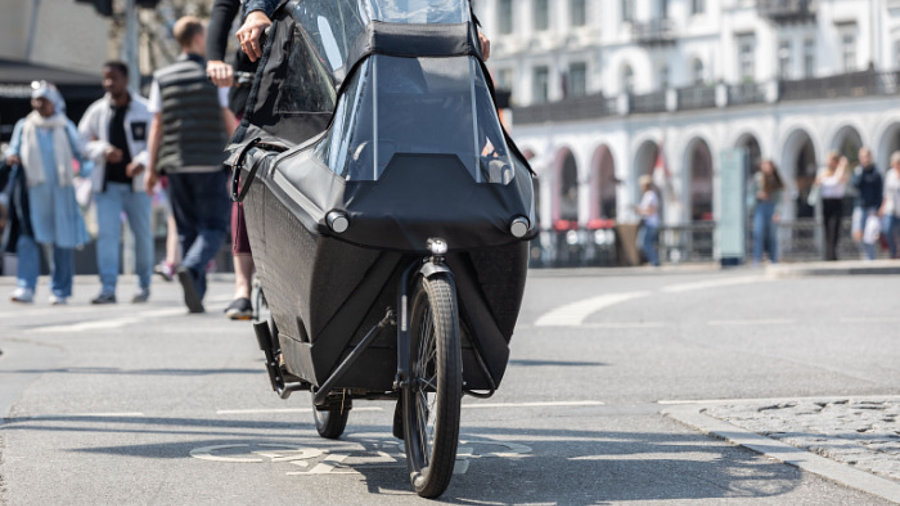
{"x": 353, "y": 86}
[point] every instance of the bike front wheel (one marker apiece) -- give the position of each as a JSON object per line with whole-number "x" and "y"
{"x": 431, "y": 400}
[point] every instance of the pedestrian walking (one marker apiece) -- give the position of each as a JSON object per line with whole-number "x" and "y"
{"x": 255, "y": 19}
{"x": 114, "y": 130}
{"x": 45, "y": 144}
{"x": 765, "y": 197}
{"x": 870, "y": 192}
{"x": 187, "y": 137}
{"x": 832, "y": 187}
{"x": 890, "y": 208}
{"x": 648, "y": 209}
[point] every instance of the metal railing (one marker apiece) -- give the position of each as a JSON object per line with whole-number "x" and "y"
{"x": 580, "y": 108}
{"x": 655, "y": 31}
{"x": 746, "y": 93}
{"x": 648, "y": 102}
{"x": 697, "y": 97}
{"x": 787, "y": 10}
{"x": 853, "y": 84}
{"x": 801, "y": 240}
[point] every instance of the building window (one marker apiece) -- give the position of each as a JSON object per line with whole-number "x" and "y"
{"x": 746, "y": 58}
{"x": 577, "y": 12}
{"x": 628, "y": 80}
{"x": 541, "y": 15}
{"x": 848, "y": 51}
{"x": 540, "y": 85}
{"x": 784, "y": 59}
{"x": 627, "y": 10}
{"x": 663, "y": 9}
{"x": 505, "y": 16}
{"x": 664, "y": 77}
{"x": 577, "y": 81}
{"x": 809, "y": 58}
{"x": 698, "y": 6}
{"x": 698, "y": 72}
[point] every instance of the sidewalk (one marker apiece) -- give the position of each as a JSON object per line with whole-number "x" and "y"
{"x": 840, "y": 268}
{"x": 851, "y": 440}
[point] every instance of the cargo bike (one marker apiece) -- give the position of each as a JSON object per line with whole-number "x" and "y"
{"x": 388, "y": 212}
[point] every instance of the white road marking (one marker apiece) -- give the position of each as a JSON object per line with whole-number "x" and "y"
{"x": 875, "y": 319}
{"x": 283, "y": 410}
{"x": 112, "y": 323}
{"x": 773, "y": 400}
{"x": 624, "y": 325}
{"x": 739, "y": 323}
{"x": 574, "y": 314}
{"x": 533, "y": 404}
{"x": 713, "y": 283}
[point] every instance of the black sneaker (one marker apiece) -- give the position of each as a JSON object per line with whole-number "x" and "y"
{"x": 191, "y": 297}
{"x": 104, "y": 298}
{"x": 239, "y": 309}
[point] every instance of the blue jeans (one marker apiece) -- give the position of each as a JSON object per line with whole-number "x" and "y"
{"x": 648, "y": 238}
{"x": 29, "y": 259}
{"x": 202, "y": 208}
{"x": 117, "y": 198}
{"x": 764, "y": 232}
{"x": 890, "y": 227}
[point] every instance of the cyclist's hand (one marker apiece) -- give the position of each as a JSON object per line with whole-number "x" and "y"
{"x": 221, "y": 73}
{"x": 250, "y": 32}
{"x": 485, "y": 46}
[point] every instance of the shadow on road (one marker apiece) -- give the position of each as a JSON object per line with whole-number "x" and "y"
{"x": 495, "y": 465}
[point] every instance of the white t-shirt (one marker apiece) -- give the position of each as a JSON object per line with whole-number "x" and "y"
{"x": 892, "y": 193}
{"x": 832, "y": 186}
{"x": 155, "y": 99}
{"x": 648, "y": 200}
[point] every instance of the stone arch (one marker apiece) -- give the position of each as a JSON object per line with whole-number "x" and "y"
{"x": 798, "y": 168}
{"x": 603, "y": 184}
{"x": 847, "y": 141}
{"x": 888, "y": 142}
{"x": 698, "y": 165}
{"x": 565, "y": 186}
{"x": 749, "y": 141}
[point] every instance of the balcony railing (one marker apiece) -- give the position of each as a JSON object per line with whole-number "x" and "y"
{"x": 580, "y": 108}
{"x": 655, "y": 31}
{"x": 787, "y": 11}
{"x": 855, "y": 84}
{"x": 696, "y": 97}
{"x": 747, "y": 93}
{"x": 648, "y": 102}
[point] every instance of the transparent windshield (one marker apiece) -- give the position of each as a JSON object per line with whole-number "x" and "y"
{"x": 418, "y": 11}
{"x": 416, "y": 106}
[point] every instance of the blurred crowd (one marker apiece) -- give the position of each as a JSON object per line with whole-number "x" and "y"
{"x": 126, "y": 151}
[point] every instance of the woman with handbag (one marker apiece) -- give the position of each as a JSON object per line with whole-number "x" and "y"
{"x": 832, "y": 187}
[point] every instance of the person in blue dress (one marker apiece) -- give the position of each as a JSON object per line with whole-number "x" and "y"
{"x": 45, "y": 143}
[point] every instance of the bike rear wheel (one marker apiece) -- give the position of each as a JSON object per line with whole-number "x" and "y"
{"x": 431, "y": 400}
{"x": 331, "y": 423}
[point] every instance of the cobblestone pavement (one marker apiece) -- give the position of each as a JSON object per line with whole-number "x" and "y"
{"x": 861, "y": 433}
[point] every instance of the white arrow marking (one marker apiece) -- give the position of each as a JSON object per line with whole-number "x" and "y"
{"x": 574, "y": 314}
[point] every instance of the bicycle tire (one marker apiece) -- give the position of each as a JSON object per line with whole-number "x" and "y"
{"x": 431, "y": 400}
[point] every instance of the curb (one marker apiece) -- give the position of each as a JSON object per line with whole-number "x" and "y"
{"x": 693, "y": 416}
{"x": 845, "y": 268}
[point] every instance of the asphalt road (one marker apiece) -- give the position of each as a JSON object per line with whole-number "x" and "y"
{"x": 145, "y": 404}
